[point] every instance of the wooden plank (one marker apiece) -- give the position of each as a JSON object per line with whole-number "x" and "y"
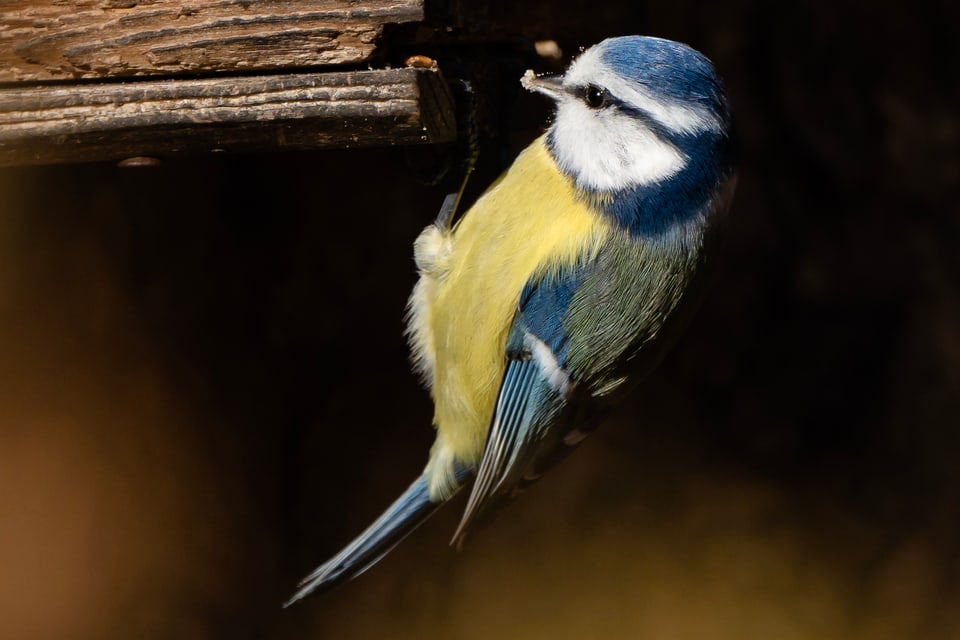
{"x": 68, "y": 39}
{"x": 104, "y": 121}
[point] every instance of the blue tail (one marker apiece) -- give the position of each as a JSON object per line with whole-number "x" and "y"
{"x": 397, "y": 522}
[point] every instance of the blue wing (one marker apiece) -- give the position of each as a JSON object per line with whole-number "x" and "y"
{"x": 408, "y": 512}
{"x": 527, "y": 425}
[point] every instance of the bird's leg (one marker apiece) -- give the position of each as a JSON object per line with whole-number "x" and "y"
{"x": 468, "y": 108}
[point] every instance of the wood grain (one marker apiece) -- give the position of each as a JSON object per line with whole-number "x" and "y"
{"x": 68, "y": 39}
{"x": 111, "y": 121}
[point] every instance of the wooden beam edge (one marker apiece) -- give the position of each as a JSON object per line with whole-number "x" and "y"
{"x": 112, "y": 121}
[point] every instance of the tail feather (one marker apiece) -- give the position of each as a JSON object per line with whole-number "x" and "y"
{"x": 396, "y": 523}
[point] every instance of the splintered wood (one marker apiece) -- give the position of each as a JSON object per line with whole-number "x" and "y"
{"x": 69, "y": 39}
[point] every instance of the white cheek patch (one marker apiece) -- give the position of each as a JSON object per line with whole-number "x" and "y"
{"x": 610, "y": 151}
{"x": 550, "y": 369}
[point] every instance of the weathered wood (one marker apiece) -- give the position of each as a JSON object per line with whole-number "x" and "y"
{"x": 47, "y": 124}
{"x": 69, "y": 39}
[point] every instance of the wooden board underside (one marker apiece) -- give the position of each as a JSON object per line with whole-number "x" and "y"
{"x": 40, "y": 125}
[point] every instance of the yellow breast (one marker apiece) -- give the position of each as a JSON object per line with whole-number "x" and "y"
{"x": 528, "y": 223}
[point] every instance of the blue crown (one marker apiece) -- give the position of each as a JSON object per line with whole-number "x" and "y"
{"x": 667, "y": 68}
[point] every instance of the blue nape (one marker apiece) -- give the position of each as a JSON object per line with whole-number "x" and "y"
{"x": 651, "y": 210}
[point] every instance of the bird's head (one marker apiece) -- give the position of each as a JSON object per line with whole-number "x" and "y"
{"x": 635, "y": 111}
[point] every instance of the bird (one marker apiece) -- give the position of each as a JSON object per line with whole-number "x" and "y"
{"x": 565, "y": 283}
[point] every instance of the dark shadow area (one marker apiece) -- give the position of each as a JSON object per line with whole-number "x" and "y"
{"x": 204, "y": 386}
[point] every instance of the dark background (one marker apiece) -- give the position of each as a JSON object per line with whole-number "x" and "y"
{"x": 204, "y": 388}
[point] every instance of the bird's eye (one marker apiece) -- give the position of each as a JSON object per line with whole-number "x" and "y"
{"x": 595, "y": 96}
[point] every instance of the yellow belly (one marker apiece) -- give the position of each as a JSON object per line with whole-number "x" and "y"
{"x": 525, "y": 225}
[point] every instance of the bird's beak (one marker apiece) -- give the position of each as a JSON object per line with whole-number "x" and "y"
{"x": 551, "y": 86}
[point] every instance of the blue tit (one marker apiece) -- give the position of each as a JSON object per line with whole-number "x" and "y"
{"x": 565, "y": 283}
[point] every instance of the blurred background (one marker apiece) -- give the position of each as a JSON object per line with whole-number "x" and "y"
{"x": 205, "y": 392}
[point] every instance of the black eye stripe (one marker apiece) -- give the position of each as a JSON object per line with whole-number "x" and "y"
{"x": 592, "y": 95}
{"x": 596, "y": 97}
{"x": 610, "y": 100}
